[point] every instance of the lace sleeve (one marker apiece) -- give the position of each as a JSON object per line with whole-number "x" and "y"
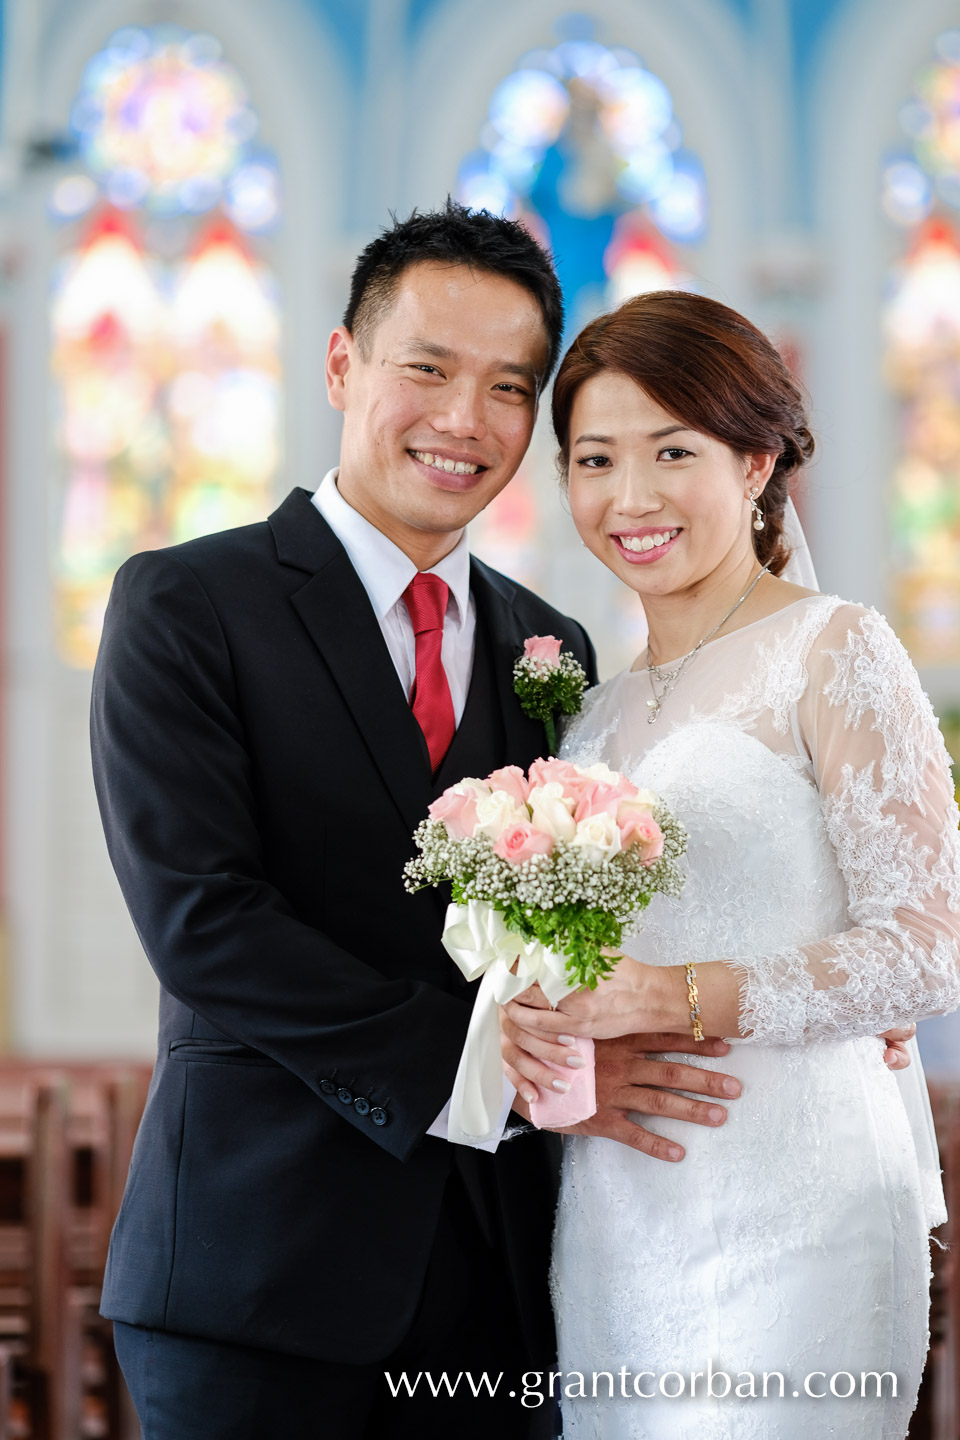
{"x": 888, "y": 803}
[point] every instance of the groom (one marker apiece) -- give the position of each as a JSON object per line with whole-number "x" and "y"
{"x": 274, "y": 708}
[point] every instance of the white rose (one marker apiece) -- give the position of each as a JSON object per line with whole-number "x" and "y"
{"x": 598, "y": 836}
{"x": 550, "y": 811}
{"x": 646, "y": 797}
{"x": 496, "y": 812}
{"x": 471, "y": 784}
{"x": 601, "y": 772}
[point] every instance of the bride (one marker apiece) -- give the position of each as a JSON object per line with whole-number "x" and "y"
{"x": 788, "y": 1252}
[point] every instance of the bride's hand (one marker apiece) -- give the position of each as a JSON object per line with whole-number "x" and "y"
{"x": 630, "y": 1001}
{"x": 523, "y": 1052}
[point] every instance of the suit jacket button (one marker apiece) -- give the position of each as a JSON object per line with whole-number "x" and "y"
{"x": 378, "y": 1115}
{"x": 345, "y": 1096}
{"x": 327, "y": 1087}
{"x": 362, "y": 1105}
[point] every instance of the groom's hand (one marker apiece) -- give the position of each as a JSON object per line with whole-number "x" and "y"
{"x": 634, "y": 1080}
{"x": 895, "y": 1053}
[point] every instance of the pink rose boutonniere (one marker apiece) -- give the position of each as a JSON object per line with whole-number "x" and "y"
{"x": 548, "y": 682}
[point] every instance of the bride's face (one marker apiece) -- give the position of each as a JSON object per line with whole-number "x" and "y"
{"x": 637, "y": 472}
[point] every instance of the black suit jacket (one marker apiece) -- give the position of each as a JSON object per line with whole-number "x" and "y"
{"x": 260, "y": 774}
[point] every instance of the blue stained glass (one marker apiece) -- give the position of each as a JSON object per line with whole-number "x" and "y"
{"x": 542, "y": 60}
{"x": 644, "y": 105}
{"x": 163, "y": 122}
{"x": 529, "y": 107}
{"x": 126, "y": 47}
{"x": 583, "y": 136}
{"x": 586, "y": 58}
{"x": 907, "y": 192}
{"x": 648, "y": 173}
{"x": 681, "y": 210}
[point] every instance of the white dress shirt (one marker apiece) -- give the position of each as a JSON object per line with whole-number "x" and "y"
{"x": 385, "y": 572}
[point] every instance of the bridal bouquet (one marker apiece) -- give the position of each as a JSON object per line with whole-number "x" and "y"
{"x": 549, "y": 871}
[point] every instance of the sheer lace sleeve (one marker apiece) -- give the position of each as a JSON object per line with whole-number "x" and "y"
{"x": 888, "y": 803}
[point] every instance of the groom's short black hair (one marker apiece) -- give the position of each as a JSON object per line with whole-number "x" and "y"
{"x": 457, "y": 236}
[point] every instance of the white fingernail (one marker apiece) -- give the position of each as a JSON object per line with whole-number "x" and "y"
{"x": 576, "y": 1062}
{"x": 529, "y": 1095}
{"x": 567, "y": 1039}
{"x": 561, "y": 1085}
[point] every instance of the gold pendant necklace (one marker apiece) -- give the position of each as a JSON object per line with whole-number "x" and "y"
{"x": 669, "y": 678}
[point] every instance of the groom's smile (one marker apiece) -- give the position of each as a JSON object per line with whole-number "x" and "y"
{"x": 439, "y": 398}
{"x": 450, "y": 469}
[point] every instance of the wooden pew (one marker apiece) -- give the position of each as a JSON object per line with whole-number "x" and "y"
{"x": 66, "y": 1134}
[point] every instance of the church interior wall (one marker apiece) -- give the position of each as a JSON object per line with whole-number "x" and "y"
{"x": 371, "y": 106}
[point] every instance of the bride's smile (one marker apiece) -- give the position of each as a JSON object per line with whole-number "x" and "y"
{"x": 644, "y": 545}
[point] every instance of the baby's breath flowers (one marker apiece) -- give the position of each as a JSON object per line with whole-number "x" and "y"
{"x": 568, "y": 857}
{"x": 548, "y": 682}
{"x": 549, "y": 871}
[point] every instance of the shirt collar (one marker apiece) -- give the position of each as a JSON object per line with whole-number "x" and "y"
{"x": 384, "y": 570}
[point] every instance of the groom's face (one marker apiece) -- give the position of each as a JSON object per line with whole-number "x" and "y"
{"x": 439, "y": 402}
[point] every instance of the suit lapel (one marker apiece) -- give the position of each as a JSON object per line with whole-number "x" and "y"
{"x": 337, "y": 614}
{"x": 336, "y": 611}
{"x": 495, "y": 595}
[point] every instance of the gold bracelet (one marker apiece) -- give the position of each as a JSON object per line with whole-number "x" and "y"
{"x": 693, "y": 995}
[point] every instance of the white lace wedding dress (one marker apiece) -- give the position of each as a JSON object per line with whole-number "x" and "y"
{"x": 824, "y": 862}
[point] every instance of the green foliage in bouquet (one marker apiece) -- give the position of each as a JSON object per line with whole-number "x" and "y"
{"x": 581, "y": 935}
{"x": 568, "y": 901}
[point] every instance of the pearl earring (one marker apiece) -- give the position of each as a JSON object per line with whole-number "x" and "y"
{"x": 758, "y": 520}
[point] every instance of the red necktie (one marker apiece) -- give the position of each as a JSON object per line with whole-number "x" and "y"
{"x": 426, "y": 599}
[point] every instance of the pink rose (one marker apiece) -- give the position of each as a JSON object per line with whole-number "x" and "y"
{"x": 644, "y": 831}
{"x": 512, "y": 780}
{"x": 521, "y": 842}
{"x": 457, "y": 808}
{"x": 543, "y": 647}
{"x": 599, "y": 798}
{"x": 560, "y": 772}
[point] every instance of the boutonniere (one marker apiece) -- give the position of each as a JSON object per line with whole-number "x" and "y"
{"x": 547, "y": 682}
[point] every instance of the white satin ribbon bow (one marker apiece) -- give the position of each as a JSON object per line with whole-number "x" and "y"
{"x": 477, "y": 939}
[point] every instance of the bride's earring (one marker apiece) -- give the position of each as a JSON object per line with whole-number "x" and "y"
{"x": 758, "y": 520}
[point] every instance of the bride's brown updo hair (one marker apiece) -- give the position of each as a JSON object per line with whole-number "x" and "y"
{"x": 711, "y": 369}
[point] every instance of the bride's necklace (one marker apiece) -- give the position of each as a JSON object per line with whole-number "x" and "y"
{"x": 667, "y": 679}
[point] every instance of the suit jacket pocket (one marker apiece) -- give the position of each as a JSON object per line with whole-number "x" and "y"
{"x": 218, "y": 1052}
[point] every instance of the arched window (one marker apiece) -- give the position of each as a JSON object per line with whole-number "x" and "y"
{"x": 165, "y": 318}
{"x": 921, "y": 194}
{"x": 581, "y": 141}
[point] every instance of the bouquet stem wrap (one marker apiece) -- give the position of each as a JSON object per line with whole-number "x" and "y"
{"x": 477, "y": 940}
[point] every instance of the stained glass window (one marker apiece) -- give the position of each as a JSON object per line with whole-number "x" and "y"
{"x": 581, "y": 140}
{"x": 921, "y": 194}
{"x": 165, "y": 316}
{"x": 581, "y": 143}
